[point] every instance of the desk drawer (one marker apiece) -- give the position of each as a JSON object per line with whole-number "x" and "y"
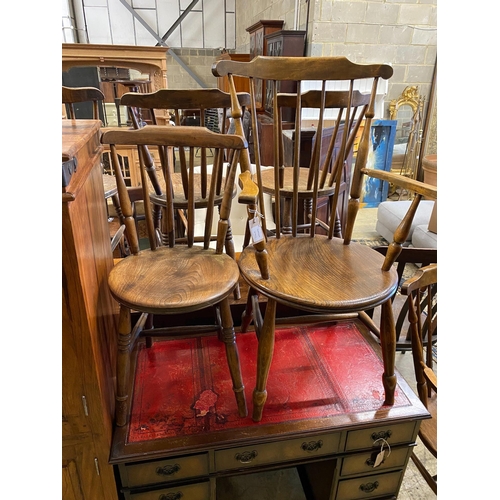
{"x": 283, "y": 451}
{"x": 363, "y": 462}
{"x": 369, "y": 487}
{"x": 393, "y": 434}
{"x": 160, "y": 471}
{"x": 198, "y": 491}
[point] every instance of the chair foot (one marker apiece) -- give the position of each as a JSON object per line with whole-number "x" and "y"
{"x": 246, "y": 319}
{"x": 259, "y": 400}
{"x": 248, "y": 313}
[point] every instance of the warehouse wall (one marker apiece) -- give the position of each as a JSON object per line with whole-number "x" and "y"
{"x": 402, "y": 33}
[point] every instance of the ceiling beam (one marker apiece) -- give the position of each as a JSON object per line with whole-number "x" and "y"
{"x": 161, "y": 42}
{"x": 189, "y": 8}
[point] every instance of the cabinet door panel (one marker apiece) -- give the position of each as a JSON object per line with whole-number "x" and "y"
{"x": 71, "y": 489}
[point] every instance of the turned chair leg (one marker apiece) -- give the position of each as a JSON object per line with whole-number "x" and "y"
{"x": 229, "y": 338}
{"x": 247, "y": 316}
{"x": 123, "y": 366}
{"x": 264, "y": 358}
{"x": 229, "y": 244}
{"x": 388, "y": 345}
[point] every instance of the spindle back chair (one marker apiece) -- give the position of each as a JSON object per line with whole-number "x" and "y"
{"x": 72, "y": 96}
{"x": 420, "y": 291}
{"x": 316, "y": 273}
{"x": 207, "y": 104}
{"x": 182, "y": 276}
{"x": 325, "y": 153}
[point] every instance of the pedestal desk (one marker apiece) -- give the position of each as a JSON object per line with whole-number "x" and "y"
{"x": 88, "y": 321}
{"x": 324, "y": 416}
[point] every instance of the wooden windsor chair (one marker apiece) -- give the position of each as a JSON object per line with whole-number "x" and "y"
{"x": 329, "y": 161}
{"x": 422, "y": 315}
{"x": 176, "y": 278}
{"x": 202, "y": 102}
{"x": 319, "y": 274}
{"x": 72, "y": 96}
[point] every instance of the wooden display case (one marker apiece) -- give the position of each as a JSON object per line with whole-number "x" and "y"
{"x": 286, "y": 43}
{"x": 267, "y": 38}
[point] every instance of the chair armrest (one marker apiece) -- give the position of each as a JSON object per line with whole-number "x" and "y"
{"x": 422, "y": 188}
{"x": 430, "y": 376}
{"x": 249, "y": 189}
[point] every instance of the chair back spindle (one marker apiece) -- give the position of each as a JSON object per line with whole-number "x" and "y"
{"x": 348, "y": 114}
{"x": 155, "y": 136}
{"x": 208, "y": 184}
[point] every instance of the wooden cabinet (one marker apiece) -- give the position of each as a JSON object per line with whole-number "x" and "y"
{"x": 88, "y": 321}
{"x": 286, "y": 43}
{"x": 267, "y": 38}
{"x": 258, "y": 47}
{"x": 241, "y": 83}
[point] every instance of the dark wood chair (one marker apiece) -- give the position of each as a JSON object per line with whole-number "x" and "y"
{"x": 335, "y": 104}
{"x": 198, "y": 107}
{"x": 175, "y": 278}
{"x": 422, "y": 315}
{"x": 408, "y": 260}
{"x": 316, "y": 273}
{"x": 72, "y": 96}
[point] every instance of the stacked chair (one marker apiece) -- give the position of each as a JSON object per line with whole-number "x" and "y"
{"x": 184, "y": 104}
{"x": 176, "y": 277}
{"x": 296, "y": 266}
{"x": 420, "y": 291}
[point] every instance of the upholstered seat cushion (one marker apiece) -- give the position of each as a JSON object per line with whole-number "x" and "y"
{"x": 423, "y": 238}
{"x": 390, "y": 214}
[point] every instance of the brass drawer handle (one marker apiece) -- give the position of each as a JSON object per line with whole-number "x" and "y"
{"x": 369, "y": 487}
{"x": 381, "y": 435}
{"x": 168, "y": 470}
{"x": 246, "y": 457}
{"x": 171, "y": 496}
{"x": 312, "y": 446}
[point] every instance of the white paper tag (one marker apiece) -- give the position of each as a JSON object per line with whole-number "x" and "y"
{"x": 256, "y": 230}
{"x": 381, "y": 454}
{"x": 379, "y": 459}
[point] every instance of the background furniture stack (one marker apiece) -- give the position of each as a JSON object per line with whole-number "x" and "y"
{"x": 267, "y": 38}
